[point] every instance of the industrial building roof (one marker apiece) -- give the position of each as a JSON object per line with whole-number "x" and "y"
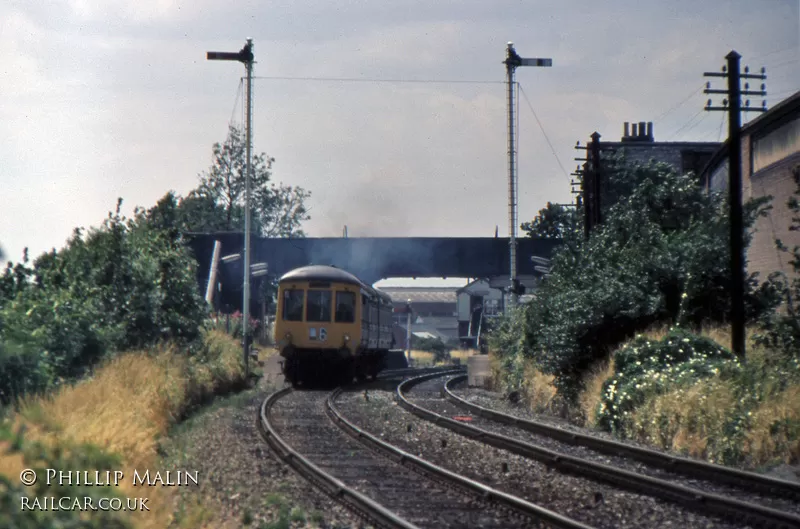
{"x": 422, "y": 295}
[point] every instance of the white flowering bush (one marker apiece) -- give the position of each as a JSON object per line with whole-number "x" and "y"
{"x": 646, "y": 368}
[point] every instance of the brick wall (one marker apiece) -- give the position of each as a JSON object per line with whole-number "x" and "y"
{"x": 779, "y": 182}
{"x": 643, "y": 153}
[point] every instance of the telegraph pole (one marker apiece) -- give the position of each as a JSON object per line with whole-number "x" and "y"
{"x": 733, "y": 105}
{"x": 587, "y": 190}
{"x": 512, "y": 62}
{"x": 245, "y": 55}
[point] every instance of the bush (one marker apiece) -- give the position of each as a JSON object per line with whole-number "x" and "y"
{"x": 660, "y": 257}
{"x": 432, "y": 345}
{"x": 646, "y": 368}
{"x": 125, "y": 285}
{"x": 66, "y": 456}
{"x": 701, "y": 401}
{"x": 128, "y": 404}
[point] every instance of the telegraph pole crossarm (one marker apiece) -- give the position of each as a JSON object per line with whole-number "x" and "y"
{"x": 733, "y": 105}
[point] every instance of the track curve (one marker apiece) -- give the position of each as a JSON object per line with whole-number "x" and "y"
{"x": 686, "y": 496}
{"x": 376, "y": 488}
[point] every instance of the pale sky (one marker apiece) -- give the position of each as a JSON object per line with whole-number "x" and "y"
{"x": 116, "y": 98}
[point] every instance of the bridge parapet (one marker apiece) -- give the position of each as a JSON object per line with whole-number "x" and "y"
{"x": 376, "y": 258}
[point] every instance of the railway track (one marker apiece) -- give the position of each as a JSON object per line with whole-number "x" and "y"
{"x": 398, "y": 491}
{"x": 715, "y": 490}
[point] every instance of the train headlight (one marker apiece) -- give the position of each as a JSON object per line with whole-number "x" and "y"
{"x": 288, "y": 336}
{"x": 346, "y": 337}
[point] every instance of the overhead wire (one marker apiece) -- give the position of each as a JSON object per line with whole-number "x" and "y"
{"x": 376, "y": 80}
{"x": 525, "y": 96}
{"x": 696, "y": 123}
{"x": 691, "y": 120}
{"x": 774, "y": 52}
{"x": 675, "y": 107}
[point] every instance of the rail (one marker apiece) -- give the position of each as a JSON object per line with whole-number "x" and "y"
{"x": 692, "y": 498}
{"x": 359, "y": 503}
{"x": 698, "y": 469}
{"x": 488, "y": 493}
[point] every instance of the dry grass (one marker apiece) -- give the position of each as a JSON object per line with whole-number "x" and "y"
{"x": 539, "y": 389}
{"x": 463, "y": 354}
{"x": 422, "y": 358}
{"x": 125, "y": 407}
{"x": 593, "y": 382}
{"x": 774, "y": 432}
{"x": 697, "y": 419}
{"x": 685, "y": 420}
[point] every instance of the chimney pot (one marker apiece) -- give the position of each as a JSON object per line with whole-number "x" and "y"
{"x": 634, "y": 128}
{"x": 642, "y": 129}
{"x": 626, "y": 130}
{"x": 650, "y": 129}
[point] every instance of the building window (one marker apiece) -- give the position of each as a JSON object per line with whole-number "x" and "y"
{"x": 292, "y": 305}
{"x": 491, "y": 307}
{"x": 319, "y": 306}
{"x": 345, "y": 307}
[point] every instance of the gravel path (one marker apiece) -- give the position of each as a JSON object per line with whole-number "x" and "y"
{"x": 444, "y": 407}
{"x": 240, "y": 480}
{"x": 592, "y": 503}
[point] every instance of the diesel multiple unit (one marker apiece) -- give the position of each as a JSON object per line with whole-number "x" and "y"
{"x": 331, "y": 327}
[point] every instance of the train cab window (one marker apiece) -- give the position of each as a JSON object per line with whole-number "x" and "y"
{"x": 319, "y": 305}
{"x": 292, "y": 305}
{"x": 345, "y": 307}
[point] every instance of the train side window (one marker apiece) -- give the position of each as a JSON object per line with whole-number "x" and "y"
{"x": 319, "y": 306}
{"x": 345, "y": 307}
{"x": 292, "y": 305}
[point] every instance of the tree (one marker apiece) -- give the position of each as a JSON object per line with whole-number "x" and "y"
{"x": 218, "y": 202}
{"x": 552, "y": 222}
{"x": 660, "y": 257}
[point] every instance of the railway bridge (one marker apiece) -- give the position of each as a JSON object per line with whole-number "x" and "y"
{"x": 372, "y": 258}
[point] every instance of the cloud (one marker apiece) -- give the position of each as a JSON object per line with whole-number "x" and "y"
{"x": 117, "y": 99}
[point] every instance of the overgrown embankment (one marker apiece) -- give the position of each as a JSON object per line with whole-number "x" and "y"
{"x": 111, "y": 420}
{"x": 659, "y": 260}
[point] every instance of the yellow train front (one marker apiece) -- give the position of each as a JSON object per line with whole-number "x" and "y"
{"x": 331, "y": 327}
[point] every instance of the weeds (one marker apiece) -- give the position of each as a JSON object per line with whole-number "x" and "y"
{"x": 695, "y": 398}
{"x": 124, "y": 408}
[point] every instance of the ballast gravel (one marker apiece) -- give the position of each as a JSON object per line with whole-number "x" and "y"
{"x": 242, "y": 483}
{"x": 589, "y": 502}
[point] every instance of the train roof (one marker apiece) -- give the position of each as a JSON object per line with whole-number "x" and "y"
{"x": 331, "y": 273}
{"x": 321, "y": 273}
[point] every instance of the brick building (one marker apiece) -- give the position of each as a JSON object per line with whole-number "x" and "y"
{"x": 770, "y": 166}
{"x": 640, "y": 145}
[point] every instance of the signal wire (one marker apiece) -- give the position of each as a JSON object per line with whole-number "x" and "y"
{"x": 525, "y": 96}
